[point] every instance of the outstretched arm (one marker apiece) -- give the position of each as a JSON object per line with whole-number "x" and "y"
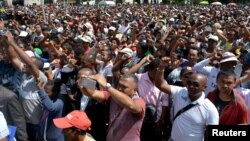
{"x": 119, "y": 97}
{"x": 23, "y": 56}
{"x": 160, "y": 82}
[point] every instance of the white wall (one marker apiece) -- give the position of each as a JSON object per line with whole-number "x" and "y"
{"x": 30, "y": 2}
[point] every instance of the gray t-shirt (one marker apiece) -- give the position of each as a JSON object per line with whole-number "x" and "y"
{"x": 29, "y": 97}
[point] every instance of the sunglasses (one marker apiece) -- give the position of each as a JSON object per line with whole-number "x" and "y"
{"x": 192, "y": 83}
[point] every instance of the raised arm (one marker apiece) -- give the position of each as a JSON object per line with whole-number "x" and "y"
{"x": 23, "y": 56}
{"x": 137, "y": 66}
{"x": 160, "y": 82}
{"x": 12, "y": 55}
{"x": 119, "y": 97}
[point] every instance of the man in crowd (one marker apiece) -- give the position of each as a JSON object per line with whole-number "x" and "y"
{"x": 75, "y": 126}
{"x": 227, "y": 101}
{"x": 193, "y": 97}
{"x": 127, "y": 110}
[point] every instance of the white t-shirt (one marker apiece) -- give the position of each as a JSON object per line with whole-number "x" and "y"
{"x": 190, "y": 125}
{"x": 4, "y": 131}
{"x": 105, "y": 70}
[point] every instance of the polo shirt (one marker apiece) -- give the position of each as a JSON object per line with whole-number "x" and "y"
{"x": 236, "y": 106}
{"x": 191, "y": 125}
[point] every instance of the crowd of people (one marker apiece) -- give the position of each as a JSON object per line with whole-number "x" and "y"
{"x": 122, "y": 73}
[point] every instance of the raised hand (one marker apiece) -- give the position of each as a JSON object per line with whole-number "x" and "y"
{"x": 165, "y": 61}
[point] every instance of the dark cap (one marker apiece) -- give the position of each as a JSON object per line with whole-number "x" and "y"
{"x": 186, "y": 70}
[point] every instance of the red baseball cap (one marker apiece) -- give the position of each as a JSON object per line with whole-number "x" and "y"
{"x": 76, "y": 118}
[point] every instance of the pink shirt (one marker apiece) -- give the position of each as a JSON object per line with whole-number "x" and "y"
{"x": 125, "y": 125}
{"x": 150, "y": 93}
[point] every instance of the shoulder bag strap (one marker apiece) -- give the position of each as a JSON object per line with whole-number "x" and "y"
{"x": 184, "y": 110}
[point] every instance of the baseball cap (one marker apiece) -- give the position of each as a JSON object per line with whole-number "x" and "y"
{"x": 186, "y": 70}
{"x": 23, "y": 34}
{"x": 127, "y": 51}
{"x": 46, "y": 65}
{"x": 228, "y": 57}
{"x": 171, "y": 19}
{"x": 57, "y": 21}
{"x": 112, "y": 28}
{"x": 213, "y": 37}
{"x": 76, "y": 118}
{"x": 86, "y": 39}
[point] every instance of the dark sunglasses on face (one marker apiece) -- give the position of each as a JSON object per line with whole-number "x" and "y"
{"x": 192, "y": 83}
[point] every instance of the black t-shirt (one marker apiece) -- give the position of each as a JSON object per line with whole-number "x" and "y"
{"x": 220, "y": 104}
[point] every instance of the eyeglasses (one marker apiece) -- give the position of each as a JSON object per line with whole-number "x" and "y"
{"x": 192, "y": 83}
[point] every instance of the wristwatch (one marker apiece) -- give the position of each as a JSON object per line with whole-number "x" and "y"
{"x": 107, "y": 86}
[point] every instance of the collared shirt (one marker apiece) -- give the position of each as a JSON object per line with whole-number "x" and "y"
{"x": 150, "y": 93}
{"x": 236, "y": 106}
{"x": 190, "y": 125}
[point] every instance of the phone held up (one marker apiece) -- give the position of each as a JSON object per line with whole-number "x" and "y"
{"x": 88, "y": 83}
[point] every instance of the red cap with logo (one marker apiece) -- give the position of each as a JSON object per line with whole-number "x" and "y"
{"x": 76, "y": 118}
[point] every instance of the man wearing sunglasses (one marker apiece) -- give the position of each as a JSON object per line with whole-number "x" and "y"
{"x": 190, "y": 124}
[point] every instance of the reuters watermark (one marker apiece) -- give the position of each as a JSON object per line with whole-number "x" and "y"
{"x": 241, "y": 132}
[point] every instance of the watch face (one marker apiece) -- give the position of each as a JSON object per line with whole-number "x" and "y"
{"x": 107, "y": 86}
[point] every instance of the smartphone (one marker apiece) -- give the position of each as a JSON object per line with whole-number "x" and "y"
{"x": 88, "y": 83}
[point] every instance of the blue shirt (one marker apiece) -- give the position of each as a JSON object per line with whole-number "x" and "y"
{"x": 51, "y": 110}
{"x": 9, "y": 76}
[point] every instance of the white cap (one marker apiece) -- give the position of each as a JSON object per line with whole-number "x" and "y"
{"x": 228, "y": 57}
{"x": 213, "y": 37}
{"x": 171, "y": 19}
{"x": 127, "y": 51}
{"x": 86, "y": 39}
{"x": 23, "y": 27}
{"x": 112, "y": 28}
{"x": 217, "y": 25}
{"x": 57, "y": 21}
{"x": 46, "y": 65}
{"x": 23, "y": 34}
{"x": 88, "y": 25}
